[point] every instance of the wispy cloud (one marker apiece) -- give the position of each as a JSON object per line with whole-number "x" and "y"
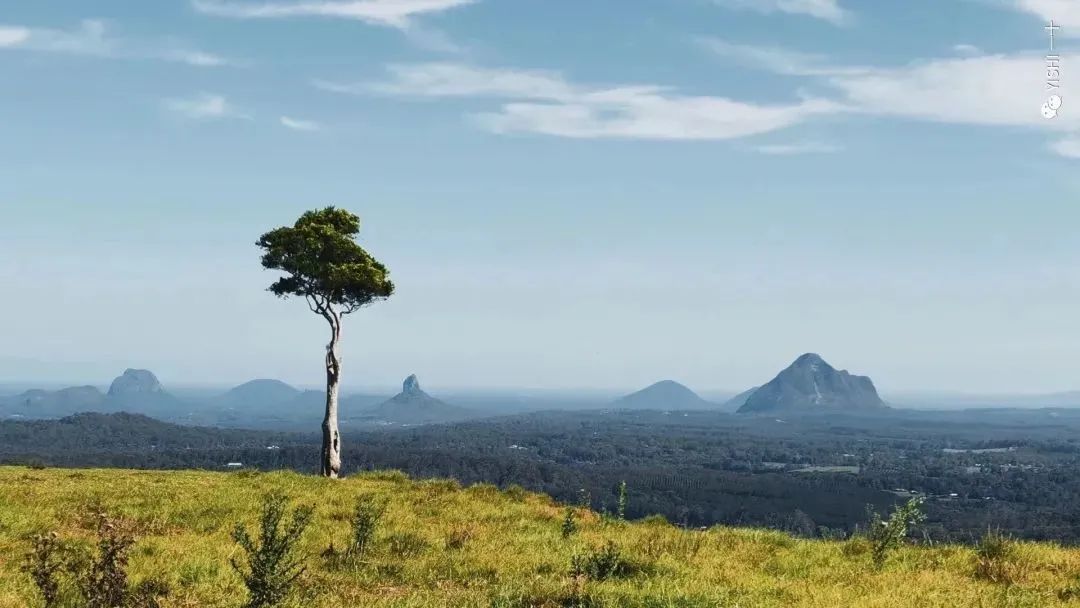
{"x": 205, "y": 106}
{"x": 968, "y": 50}
{"x": 1002, "y": 89}
{"x": 13, "y": 36}
{"x": 997, "y": 90}
{"x": 94, "y": 38}
{"x": 828, "y": 10}
{"x": 1069, "y": 148}
{"x": 297, "y": 124}
{"x": 1064, "y": 12}
{"x": 200, "y": 59}
{"x": 776, "y": 59}
{"x": 791, "y": 149}
{"x": 988, "y": 90}
{"x": 88, "y": 39}
{"x": 546, "y": 103}
{"x": 391, "y": 13}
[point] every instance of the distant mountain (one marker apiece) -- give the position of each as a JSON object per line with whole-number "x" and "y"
{"x": 39, "y": 403}
{"x": 261, "y": 392}
{"x": 413, "y": 406}
{"x": 138, "y": 391}
{"x": 812, "y": 385}
{"x": 733, "y": 404}
{"x": 664, "y": 395}
{"x": 135, "y": 382}
{"x": 261, "y": 403}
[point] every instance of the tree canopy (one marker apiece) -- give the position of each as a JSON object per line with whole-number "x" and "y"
{"x": 323, "y": 262}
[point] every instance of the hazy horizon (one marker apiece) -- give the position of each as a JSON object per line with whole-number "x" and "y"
{"x": 569, "y": 392}
{"x": 675, "y": 190}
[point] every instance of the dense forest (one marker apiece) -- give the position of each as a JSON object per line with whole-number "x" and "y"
{"x": 1017, "y": 471}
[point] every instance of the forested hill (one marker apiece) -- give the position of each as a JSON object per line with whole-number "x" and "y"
{"x": 1014, "y": 471}
{"x": 126, "y": 432}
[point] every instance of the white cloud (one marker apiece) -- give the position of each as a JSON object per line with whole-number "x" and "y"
{"x": 968, "y": 50}
{"x": 546, "y": 103}
{"x": 1069, "y": 148}
{"x": 987, "y": 90}
{"x": 93, "y": 38}
{"x": 460, "y": 80}
{"x": 1001, "y": 90}
{"x": 828, "y": 10}
{"x": 204, "y": 106}
{"x": 807, "y": 147}
{"x": 87, "y": 39}
{"x": 1065, "y": 13}
{"x": 199, "y": 58}
{"x": 392, "y": 13}
{"x": 300, "y": 125}
{"x": 777, "y": 60}
{"x": 1006, "y": 90}
{"x": 13, "y": 36}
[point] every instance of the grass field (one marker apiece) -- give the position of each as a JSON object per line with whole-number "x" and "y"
{"x": 441, "y": 545}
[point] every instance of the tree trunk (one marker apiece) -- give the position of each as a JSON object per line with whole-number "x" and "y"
{"x": 331, "y": 437}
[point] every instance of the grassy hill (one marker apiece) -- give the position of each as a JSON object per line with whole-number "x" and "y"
{"x": 441, "y": 545}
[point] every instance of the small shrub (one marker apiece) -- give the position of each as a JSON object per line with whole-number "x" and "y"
{"x": 459, "y": 537}
{"x": 887, "y": 536}
{"x": 104, "y": 582}
{"x": 100, "y": 578}
{"x": 602, "y": 564}
{"x": 365, "y": 523}
{"x": 569, "y": 525}
{"x": 584, "y": 499}
{"x": 992, "y": 554}
{"x": 44, "y": 563}
{"x": 620, "y": 510}
{"x": 406, "y": 544}
{"x": 835, "y": 534}
{"x": 272, "y": 564}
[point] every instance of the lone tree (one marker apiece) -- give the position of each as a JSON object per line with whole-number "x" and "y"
{"x": 324, "y": 265}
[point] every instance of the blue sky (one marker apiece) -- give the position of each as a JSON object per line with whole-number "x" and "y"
{"x": 569, "y": 194}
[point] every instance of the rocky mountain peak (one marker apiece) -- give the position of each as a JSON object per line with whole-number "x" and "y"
{"x": 135, "y": 381}
{"x": 810, "y": 384}
{"x": 411, "y": 386}
{"x": 809, "y": 360}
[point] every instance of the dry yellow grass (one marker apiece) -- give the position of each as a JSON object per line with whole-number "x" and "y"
{"x": 512, "y": 555}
